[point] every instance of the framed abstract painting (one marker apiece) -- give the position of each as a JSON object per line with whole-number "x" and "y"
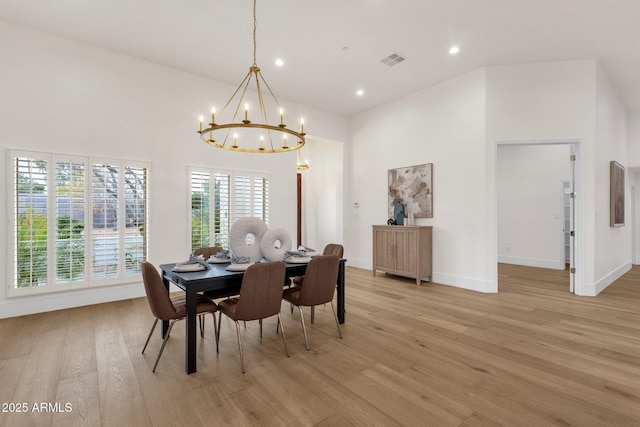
{"x": 412, "y": 187}
{"x": 617, "y": 194}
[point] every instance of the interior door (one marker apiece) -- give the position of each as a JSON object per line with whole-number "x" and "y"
{"x": 572, "y": 222}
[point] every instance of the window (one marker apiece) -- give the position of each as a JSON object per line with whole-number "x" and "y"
{"x": 75, "y": 222}
{"x": 219, "y": 196}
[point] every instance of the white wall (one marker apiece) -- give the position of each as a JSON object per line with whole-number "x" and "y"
{"x": 443, "y": 125}
{"x": 62, "y": 96}
{"x": 457, "y": 126}
{"x": 633, "y": 156}
{"x": 530, "y": 204}
{"x": 574, "y": 101}
{"x": 633, "y": 138}
{"x": 322, "y": 193}
{"x": 613, "y": 248}
{"x": 547, "y": 102}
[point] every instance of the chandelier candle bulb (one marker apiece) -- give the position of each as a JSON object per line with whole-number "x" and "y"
{"x": 201, "y": 122}
{"x": 302, "y": 126}
{"x": 261, "y": 142}
{"x": 281, "y": 117}
{"x": 235, "y": 140}
{"x": 246, "y": 113}
{"x": 213, "y": 115}
{"x": 284, "y": 145}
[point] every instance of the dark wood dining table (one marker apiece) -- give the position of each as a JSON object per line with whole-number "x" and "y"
{"x": 219, "y": 281}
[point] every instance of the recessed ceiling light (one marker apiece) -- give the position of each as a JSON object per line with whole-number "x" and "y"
{"x": 454, "y": 50}
{"x": 279, "y": 62}
{"x": 359, "y": 92}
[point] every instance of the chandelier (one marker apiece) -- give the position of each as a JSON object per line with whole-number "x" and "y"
{"x": 255, "y": 137}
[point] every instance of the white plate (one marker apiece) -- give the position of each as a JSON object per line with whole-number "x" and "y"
{"x": 298, "y": 259}
{"x": 239, "y": 267}
{"x": 186, "y": 268}
{"x": 214, "y": 260}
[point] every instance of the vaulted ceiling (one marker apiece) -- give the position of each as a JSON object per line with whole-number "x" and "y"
{"x": 331, "y": 48}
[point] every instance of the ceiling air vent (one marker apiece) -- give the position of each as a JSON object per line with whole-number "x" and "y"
{"x": 393, "y": 59}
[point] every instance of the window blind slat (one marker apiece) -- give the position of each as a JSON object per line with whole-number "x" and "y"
{"x": 214, "y": 194}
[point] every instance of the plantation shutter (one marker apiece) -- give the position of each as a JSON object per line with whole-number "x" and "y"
{"x": 136, "y": 199}
{"x": 70, "y": 221}
{"x": 104, "y": 197}
{"x": 200, "y": 210}
{"x": 221, "y": 213}
{"x": 30, "y": 219}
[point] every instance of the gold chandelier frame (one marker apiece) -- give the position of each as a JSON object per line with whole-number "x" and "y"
{"x": 229, "y": 141}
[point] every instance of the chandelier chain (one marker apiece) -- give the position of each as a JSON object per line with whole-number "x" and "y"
{"x": 255, "y": 24}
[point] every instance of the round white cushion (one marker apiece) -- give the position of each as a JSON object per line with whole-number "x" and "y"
{"x": 268, "y": 245}
{"x": 238, "y": 238}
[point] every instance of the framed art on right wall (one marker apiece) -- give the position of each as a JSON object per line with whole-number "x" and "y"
{"x": 617, "y": 194}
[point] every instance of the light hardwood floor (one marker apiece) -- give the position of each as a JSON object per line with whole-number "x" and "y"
{"x": 531, "y": 355}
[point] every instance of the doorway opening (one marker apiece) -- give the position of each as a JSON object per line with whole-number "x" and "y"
{"x": 536, "y": 210}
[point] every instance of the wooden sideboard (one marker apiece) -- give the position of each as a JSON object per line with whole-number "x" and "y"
{"x": 403, "y": 250}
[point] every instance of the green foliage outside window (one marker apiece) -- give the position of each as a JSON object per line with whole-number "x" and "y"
{"x": 32, "y": 249}
{"x": 199, "y": 220}
{"x": 69, "y": 248}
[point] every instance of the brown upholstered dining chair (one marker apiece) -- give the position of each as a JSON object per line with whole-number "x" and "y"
{"x": 208, "y": 252}
{"x": 174, "y": 309}
{"x": 333, "y": 249}
{"x": 330, "y": 249}
{"x": 318, "y": 287}
{"x": 260, "y": 297}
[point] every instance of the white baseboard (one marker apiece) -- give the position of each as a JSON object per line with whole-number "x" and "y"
{"x": 23, "y": 306}
{"x": 532, "y": 262}
{"x": 442, "y": 279}
{"x": 471, "y": 284}
{"x": 365, "y": 265}
{"x": 600, "y": 285}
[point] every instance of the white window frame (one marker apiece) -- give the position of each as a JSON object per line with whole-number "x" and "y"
{"x": 232, "y": 174}
{"x": 88, "y": 282}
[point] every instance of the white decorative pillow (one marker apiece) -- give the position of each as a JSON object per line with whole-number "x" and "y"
{"x": 245, "y": 237}
{"x": 275, "y": 244}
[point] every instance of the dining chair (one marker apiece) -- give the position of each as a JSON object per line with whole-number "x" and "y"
{"x": 208, "y": 252}
{"x": 330, "y": 249}
{"x": 318, "y": 287}
{"x": 174, "y": 309}
{"x": 260, "y": 297}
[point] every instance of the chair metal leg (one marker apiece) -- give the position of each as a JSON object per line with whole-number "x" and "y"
{"x": 219, "y": 327}
{"x": 284, "y": 338}
{"x": 313, "y": 314}
{"x": 150, "y": 333}
{"x": 335, "y": 316}
{"x": 164, "y": 342}
{"x": 216, "y": 333}
{"x": 304, "y": 329}
{"x": 260, "y": 322}
{"x": 201, "y": 321}
{"x": 240, "y": 345}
